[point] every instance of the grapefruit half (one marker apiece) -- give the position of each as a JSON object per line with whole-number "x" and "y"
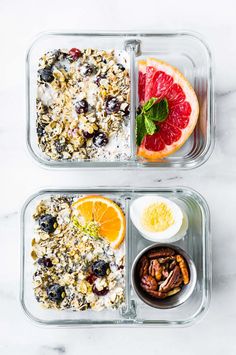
{"x": 160, "y": 79}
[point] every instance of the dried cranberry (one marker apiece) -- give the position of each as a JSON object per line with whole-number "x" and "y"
{"x": 81, "y": 106}
{"x": 88, "y": 135}
{"x": 103, "y": 292}
{"x": 112, "y": 105}
{"x": 74, "y": 53}
{"x": 91, "y": 278}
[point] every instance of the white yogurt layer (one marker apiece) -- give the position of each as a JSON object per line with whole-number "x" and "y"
{"x": 64, "y": 137}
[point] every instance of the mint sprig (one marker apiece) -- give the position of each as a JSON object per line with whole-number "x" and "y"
{"x": 152, "y": 111}
{"x": 149, "y": 125}
{"x": 140, "y": 129}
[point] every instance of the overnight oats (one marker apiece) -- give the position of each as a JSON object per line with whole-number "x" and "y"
{"x": 78, "y": 253}
{"x": 83, "y": 104}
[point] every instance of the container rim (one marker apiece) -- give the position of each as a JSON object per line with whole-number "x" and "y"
{"x": 184, "y": 164}
{"x": 195, "y": 318}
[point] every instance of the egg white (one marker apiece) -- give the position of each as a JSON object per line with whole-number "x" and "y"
{"x": 171, "y": 234}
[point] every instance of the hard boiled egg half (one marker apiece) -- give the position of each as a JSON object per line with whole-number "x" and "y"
{"x": 158, "y": 219}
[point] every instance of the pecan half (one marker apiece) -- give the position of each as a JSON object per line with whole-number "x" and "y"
{"x": 157, "y": 294}
{"x": 184, "y": 268}
{"x": 148, "y": 283}
{"x": 166, "y": 259}
{"x": 173, "y": 292}
{"x": 143, "y": 266}
{"x": 161, "y": 252}
{"x": 155, "y": 269}
{"x": 172, "y": 280}
{"x": 173, "y": 264}
{"x": 165, "y": 273}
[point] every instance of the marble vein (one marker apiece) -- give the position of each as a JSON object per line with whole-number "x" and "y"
{"x": 51, "y": 350}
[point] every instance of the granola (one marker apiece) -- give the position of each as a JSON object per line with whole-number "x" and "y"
{"x": 82, "y": 105}
{"x": 74, "y": 268}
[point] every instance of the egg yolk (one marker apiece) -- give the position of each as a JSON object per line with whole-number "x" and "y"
{"x": 157, "y": 217}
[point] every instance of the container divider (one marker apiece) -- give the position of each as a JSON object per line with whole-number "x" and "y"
{"x": 133, "y": 48}
{"x": 128, "y": 311}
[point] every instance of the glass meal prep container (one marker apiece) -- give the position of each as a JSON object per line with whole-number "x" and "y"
{"x": 134, "y": 312}
{"x": 184, "y": 50}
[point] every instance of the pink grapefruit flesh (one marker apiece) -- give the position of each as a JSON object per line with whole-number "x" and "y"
{"x": 161, "y": 80}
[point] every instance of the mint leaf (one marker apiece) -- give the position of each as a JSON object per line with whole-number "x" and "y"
{"x": 149, "y": 104}
{"x": 159, "y": 111}
{"x": 152, "y": 112}
{"x": 140, "y": 129}
{"x": 150, "y": 126}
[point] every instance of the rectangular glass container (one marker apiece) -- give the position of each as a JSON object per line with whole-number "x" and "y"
{"x": 187, "y": 51}
{"x": 197, "y": 243}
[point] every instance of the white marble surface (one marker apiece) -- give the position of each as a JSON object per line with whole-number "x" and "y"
{"x": 20, "y": 176}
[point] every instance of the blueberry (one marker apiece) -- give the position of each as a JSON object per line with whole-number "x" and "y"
{"x": 81, "y": 106}
{"x": 48, "y": 223}
{"x": 103, "y": 292}
{"x": 87, "y": 69}
{"x": 120, "y": 66}
{"x": 112, "y": 105}
{"x": 100, "y": 139}
{"x": 46, "y": 75}
{"x": 46, "y": 262}
{"x": 40, "y": 130}
{"x": 55, "y": 292}
{"x": 60, "y": 147}
{"x": 99, "y": 268}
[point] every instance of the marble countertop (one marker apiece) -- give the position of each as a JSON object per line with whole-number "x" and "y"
{"x": 215, "y": 180}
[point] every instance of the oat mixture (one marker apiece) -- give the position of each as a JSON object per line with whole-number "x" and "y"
{"x": 82, "y": 105}
{"x": 73, "y": 268}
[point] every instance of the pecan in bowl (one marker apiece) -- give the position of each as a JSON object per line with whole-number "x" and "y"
{"x": 163, "y": 276}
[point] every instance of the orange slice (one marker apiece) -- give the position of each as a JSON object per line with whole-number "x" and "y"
{"x": 107, "y": 214}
